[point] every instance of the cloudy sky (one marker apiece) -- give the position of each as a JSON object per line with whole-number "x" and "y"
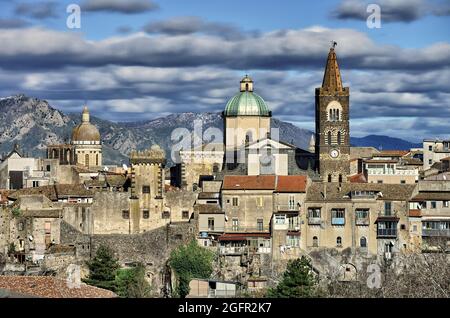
{"x": 142, "y": 59}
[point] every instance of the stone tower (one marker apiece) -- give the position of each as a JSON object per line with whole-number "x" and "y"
{"x": 332, "y": 124}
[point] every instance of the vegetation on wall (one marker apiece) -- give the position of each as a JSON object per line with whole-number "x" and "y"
{"x": 190, "y": 261}
{"x": 103, "y": 269}
{"x": 131, "y": 283}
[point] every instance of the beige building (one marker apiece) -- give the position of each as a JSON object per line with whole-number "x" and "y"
{"x": 368, "y": 218}
{"x": 434, "y": 150}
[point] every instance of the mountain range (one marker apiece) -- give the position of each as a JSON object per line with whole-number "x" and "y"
{"x": 33, "y": 124}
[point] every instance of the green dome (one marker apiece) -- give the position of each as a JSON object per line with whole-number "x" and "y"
{"x": 247, "y": 104}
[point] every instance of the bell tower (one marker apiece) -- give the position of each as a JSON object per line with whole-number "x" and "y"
{"x": 332, "y": 124}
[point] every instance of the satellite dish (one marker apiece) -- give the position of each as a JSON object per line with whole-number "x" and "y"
{"x": 226, "y": 218}
{"x": 124, "y": 166}
{"x": 105, "y": 168}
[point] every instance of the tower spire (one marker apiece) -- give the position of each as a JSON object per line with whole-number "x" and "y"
{"x": 332, "y": 78}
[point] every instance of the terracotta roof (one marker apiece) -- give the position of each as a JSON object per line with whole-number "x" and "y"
{"x": 321, "y": 192}
{"x": 54, "y": 192}
{"x": 50, "y": 287}
{"x": 446, "y": 159}
{"x": 291, "y": 184}
{"x": 415, "y": 213}
{"x": 357, "y": 178}
{"x": 380, "y": 161}
{"x": 249, "y": 183}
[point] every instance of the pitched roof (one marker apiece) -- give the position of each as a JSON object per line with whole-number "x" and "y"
{"x": 291, "y": 184}
{"x": 54, "y": 192}
{"x": 357, "y": 178}
{"x": 320, "y": 191}
{"x": 415, "y": 213}
{"x": 426, "y": 196}
{"x": 249, "y": 183}
{"x": 332, "y": 77}
{"x": 392, "y": 153}
{"x": 51, "y": 287}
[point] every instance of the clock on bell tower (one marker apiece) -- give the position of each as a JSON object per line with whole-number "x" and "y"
{"x": 332, "y": 124}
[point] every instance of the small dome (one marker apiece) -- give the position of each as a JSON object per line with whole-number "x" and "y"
{"x": 85, "y": 131}
{"x": 246, "y": 102}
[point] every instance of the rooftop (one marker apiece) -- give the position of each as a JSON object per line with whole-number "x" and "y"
{"x": 54, "y": 192}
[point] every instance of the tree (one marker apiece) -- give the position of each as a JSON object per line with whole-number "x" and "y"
{"x": 103, "y": 268}
{"x": 190, "y": 261}
{"x": 298, "y": 281}
{"x": 131, "y": 283}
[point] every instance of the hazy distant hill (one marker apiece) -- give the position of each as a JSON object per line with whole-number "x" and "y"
{"x": 33, "y": 124}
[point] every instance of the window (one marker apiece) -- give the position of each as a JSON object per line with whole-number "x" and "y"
{"x": 339, "y": 137}
{"x": 430, "y": 161}
{"x": 260, "y": 225}
{"x": 235, "y": 201}
{"x": 291, "y": 202}
{"x": 293, "y": 240}
{"x": 185, "y": 214}
{"x": 415, "y": 228}
{"x": 146, "y": 189}
{"x": 315, "y": 241}
{"x": 314, "y": 212}
{"x": 430, "y": 148}
{"x": 125, "y": 214}
{"x": 48, "y": 167}
{"x": 363, "y": 242}
{"x": 280, "y": 219}
{"x": 146, "y": 214}
{"x": 259, "y": 201}
{"x": 433, "y": 204}
{"x": 402, "y": 181}
{"x": 235, "y": 224}
{"x": 329, "y": 137}
{"x": 35, "y": 184}
{"x": 339, "y": 241}
{"x": 387, "y": 208}
{"x": 338, "y": 216}
{"x": 20, "y": 226}
{"x": 388, "y": 248}
{"x": 362, "y": 213}
{"x": 340, "y": 178}
{"x": 210, "y": 224}
{"x": 86, "y": 160}
{"x": 166, "y": 215}
{"x": 379, "y": 181}
{"x": 329, "y": 178}
{"x": 446, "y": 204}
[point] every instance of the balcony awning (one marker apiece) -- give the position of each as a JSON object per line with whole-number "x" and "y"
{"x": 242, "y": 236}
{"x": 387, "y": 218}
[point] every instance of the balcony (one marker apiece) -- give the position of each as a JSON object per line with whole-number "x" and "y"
{"x": 387, "y": 233}
{"x": 242, "y": 250}
{"x": 337, "y": 221}
{"x": 388, "y": 214}
{"x": 287, "y": 208}
{"x": 362, "y": 221}
{"x": 248, "y": 229}
{"x": 314, "y": 221}
{"x": 436, "y": 232}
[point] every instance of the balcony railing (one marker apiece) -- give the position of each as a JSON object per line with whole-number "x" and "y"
{"x": 387, "y": 232}
{"x": 388, "y": 213}
{"x": 362, "y": 221}
{"x": 240, "y": 250}
{"x": 248, "y": 229}
{"x": 314, "y": 221}
{"x": 337, "y": 221}
{"x": 287, "y": 207}
{"x": 436, "y": 232}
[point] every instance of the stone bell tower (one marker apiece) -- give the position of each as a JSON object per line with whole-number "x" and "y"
{"x": 332, "y": 124}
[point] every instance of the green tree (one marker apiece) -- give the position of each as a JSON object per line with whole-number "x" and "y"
{"x": 190, "y": 261}
{"x": 103, "y": 268}
{"x": 298, "y": 281}
{"x": 131, "y": 283}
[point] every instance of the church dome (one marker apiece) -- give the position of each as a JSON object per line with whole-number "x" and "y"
{"x": 85, "y": 131}
{"x": 246, "y": 102}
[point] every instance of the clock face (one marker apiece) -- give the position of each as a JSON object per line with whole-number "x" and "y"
{"x": 334, "y": 153}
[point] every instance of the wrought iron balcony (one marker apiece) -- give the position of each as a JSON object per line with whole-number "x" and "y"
{"x": 436, "y": 232}
{"x": 362, "y": 221}
{"x": 314, "y": 221}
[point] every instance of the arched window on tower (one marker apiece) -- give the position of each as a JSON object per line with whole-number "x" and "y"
{"x": 337, "y": 114}
{"x": 339, "y": 241}
{"x": 329, "y": 178}
{"x": 96, "y": 160}
{"x": 339, "y": 138}
{"x": 340, "y": 178}
{"x": 329, "y": 138}
{"x": 86, "y": 160}
{"x": 363, "y": 242}
{"x": 315, "y": 241}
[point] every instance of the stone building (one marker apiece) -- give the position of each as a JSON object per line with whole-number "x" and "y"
{"x": 434, "y": 150}
{"x": 332, "y": 124}
{"x": 85, "y": 148}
